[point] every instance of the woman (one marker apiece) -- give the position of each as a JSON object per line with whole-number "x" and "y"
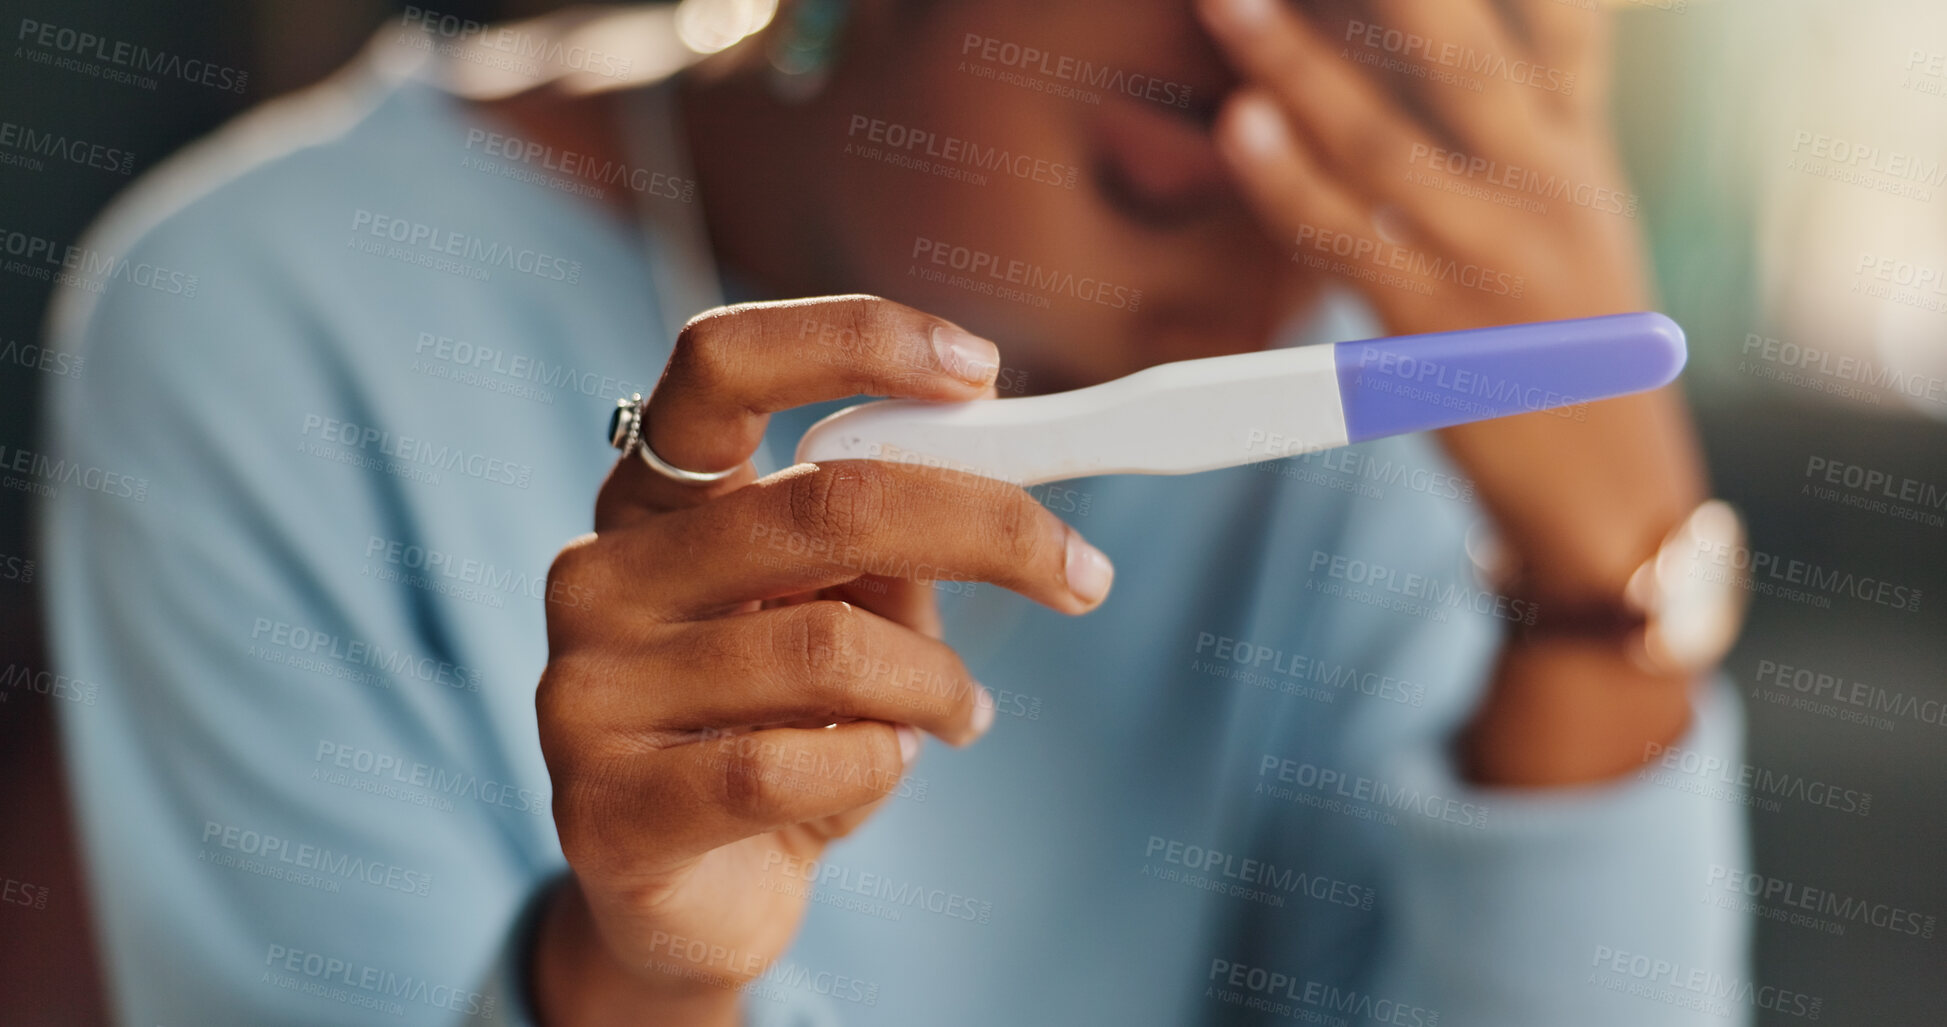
{"x": 1258, "y": 780}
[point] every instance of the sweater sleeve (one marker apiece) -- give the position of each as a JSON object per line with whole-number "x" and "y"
{"x": 280, "y": 822}
{"x": 1583, "y": 905}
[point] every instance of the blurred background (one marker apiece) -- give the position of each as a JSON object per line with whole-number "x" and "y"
{"x": 1791, "y": 161}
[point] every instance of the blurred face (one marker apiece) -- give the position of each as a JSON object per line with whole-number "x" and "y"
{"x": 1041, "y": 172}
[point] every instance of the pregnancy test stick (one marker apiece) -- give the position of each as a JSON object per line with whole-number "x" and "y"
{"x": 1200, "y": 415}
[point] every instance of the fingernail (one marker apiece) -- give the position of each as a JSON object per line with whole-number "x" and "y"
{"x": 965, "y": 356}
{"x": 908, "y": 742}
{"x": 1089, "y": 572}
{"x": 1260, "y": 127}
{"x": 983, "y": 714}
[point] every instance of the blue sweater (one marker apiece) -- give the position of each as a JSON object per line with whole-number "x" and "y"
{"x": 344, "y": 378}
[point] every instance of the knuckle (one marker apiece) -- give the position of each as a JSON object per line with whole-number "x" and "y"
{"x": 573, "y": 563}
{"x": 567, "y": 712}
{"x": 703, "y": 356}
{"x": 572, "y": 573}
{"x": 551, "y": 698}
{"x": 884, "y": 361}
{"x": 587, "y": 810}
{"x": 1022, "y": 531}
{"x": 750, "y": 786}
{"x": 868, "y": 316}
{"x": 823, "y": 640}
{"x": 842, "y": 503}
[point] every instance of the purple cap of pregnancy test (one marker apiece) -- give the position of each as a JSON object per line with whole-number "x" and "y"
{"x": 1420, "y": 382}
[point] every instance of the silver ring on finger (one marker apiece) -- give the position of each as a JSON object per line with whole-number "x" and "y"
{"x": 626, "y": 429}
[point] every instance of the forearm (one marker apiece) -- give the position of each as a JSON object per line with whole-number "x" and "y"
{"x": 1580, "y": 505}
{"x": 1583, "y": 496}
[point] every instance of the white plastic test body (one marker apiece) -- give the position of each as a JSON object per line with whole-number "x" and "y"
{"x": 1200, "y": 415}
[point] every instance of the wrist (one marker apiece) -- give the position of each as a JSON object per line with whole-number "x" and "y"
{"x": 577, "y": 980}
{"x": 1678, "y": 611}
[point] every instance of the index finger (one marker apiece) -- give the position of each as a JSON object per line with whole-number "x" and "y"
{"x": 735, "y": 366}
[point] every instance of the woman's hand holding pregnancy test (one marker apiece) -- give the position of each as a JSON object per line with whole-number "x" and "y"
{"x": 684, "y": 713}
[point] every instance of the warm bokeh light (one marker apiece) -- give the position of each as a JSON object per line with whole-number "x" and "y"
{"x": 708, "y": 26}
